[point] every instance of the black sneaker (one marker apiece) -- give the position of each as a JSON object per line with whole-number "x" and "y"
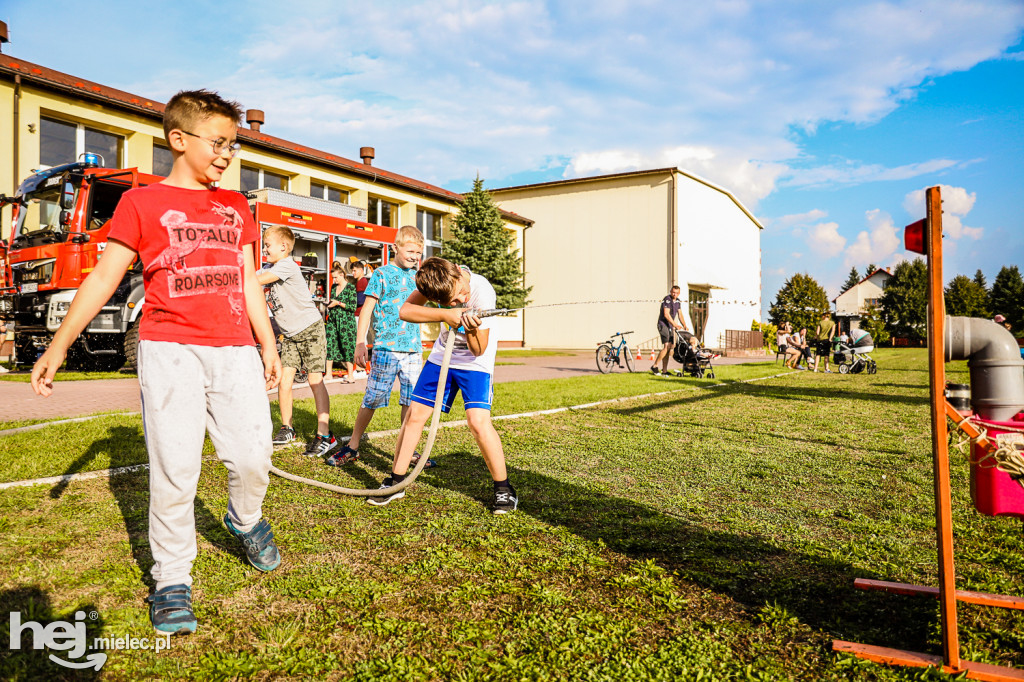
{"x": 381, "y": 500}
{"x": 505, "y": 500}
{"x": 321, "y": 445}
{"x": 284, "y": 435}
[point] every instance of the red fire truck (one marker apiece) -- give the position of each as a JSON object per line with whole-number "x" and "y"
{"x": 61, "y": 217}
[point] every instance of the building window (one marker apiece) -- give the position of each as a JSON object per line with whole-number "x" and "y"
{"x": 63, "y": 142}
{"x": 430, "y": 225}
{"x": 163, "y": 159}
{"x": 326, "y": 192}
{"x": 381, "y": 212}
{"x": 258, "y": 178}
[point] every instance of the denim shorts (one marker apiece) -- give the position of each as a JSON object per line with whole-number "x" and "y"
{"x": 477, "y": 387}
{"x": 385, "y": 367}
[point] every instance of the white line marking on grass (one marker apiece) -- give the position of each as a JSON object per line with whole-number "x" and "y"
{"x": 43, "y": 425}
{"x": 68, "y": 478}
{"x": 101, "y": 473}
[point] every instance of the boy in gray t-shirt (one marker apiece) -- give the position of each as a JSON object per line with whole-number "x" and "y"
{"x": 305, "y": 340}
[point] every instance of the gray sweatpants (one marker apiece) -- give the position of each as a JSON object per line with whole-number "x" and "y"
{"x": 188, "y": 390}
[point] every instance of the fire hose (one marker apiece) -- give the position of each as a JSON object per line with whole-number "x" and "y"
{"x": 435, "y": 418}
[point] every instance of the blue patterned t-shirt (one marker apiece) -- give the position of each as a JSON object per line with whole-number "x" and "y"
{"x": 391, "y": 285}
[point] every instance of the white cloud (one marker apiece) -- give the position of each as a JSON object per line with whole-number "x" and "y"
{"x": 446, "y": 88}
{"x": 749, "y": 181}
{"x": 825, "y": 240}
{"x": 854, "y": 173}
{"x": 877, "y": 244}
{"x": 957, "y": 202}
{"x": 796, "y": 218}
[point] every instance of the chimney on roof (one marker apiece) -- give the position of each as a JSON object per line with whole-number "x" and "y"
{"x": 366, "y": 154}
{"x": 4, "y": 35}
{"x": 255, "y": 118}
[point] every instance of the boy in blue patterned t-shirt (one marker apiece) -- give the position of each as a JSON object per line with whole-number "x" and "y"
{"x": 397, "y": 351}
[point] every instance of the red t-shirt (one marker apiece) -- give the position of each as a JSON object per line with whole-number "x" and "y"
{"x": 190, "y": 242}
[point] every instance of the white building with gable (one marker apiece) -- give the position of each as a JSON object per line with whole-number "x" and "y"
{"x": 630, "y": 237}
{"x": 853, "y": 303}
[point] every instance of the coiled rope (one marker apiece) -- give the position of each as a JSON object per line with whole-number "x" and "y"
{"x": 435, "y": 419}
{"x": 1006, "y": 455}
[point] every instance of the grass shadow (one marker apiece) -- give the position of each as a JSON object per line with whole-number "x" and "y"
{"x": 25, "y": 662}
{"x": 767, "y": 391}
{"x": 131, "y": 492}
{"x": 753, "y": 571}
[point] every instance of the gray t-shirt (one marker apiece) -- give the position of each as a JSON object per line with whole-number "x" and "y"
{"x": 290, "y": 302}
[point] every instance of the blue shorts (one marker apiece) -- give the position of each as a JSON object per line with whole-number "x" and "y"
{"x": 385, "y": 367}
{"x": 477, "y": 387}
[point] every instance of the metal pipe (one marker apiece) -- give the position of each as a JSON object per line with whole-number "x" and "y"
{"x": 15, "y": 146}
{"x": 994, "y": 361}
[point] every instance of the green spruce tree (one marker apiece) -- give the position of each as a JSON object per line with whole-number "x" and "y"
{"x": 479, "y": 240}
{"x": 800, "y": 301}
{"x": 852, "y": 280}
{"x": 966, "y": 298}
{"x": 904, "y": 300}
{"x": 870, "y": 269}
{"x": 979, "y": 279}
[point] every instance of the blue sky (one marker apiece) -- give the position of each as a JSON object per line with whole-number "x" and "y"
{"x": 826, "y": 119}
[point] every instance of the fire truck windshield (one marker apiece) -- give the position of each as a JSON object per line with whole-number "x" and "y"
{"x": 40, "y": 211}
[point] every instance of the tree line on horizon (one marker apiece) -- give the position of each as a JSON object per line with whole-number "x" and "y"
{"x": 902, "y": 308}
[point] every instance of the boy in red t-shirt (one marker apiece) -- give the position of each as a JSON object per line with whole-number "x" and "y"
{"x": 198, "y": 366}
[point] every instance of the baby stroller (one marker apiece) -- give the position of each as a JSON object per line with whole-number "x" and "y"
{"x": 695, "y": 359}
{"x": 855, "y": 357}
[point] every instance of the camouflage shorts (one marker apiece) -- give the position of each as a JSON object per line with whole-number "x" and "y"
{"x": 306, "y": 349}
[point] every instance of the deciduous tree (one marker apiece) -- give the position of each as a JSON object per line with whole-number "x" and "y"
{"x": 800, "y": 301}
{"x": 904, "y": 300}
{"x": 1007, "y": 297}
{"x": 873, "y": 324}
{"x": 966, "y": 298}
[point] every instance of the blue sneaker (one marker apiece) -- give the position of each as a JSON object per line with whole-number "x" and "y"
{"x": 170, "y": 609}
{"x": 260, "y": 549}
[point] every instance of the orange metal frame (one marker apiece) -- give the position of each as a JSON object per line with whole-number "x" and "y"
{"x": 946, "y": 592}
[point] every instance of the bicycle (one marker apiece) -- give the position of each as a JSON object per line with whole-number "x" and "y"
{"x": 610, "y": 353}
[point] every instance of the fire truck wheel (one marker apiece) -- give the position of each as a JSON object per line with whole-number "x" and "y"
{"x": 131, "y": 347}
{"x": 75, "y": 359}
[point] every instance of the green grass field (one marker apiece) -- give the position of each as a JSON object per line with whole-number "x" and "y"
{"x": 710, "y": 533}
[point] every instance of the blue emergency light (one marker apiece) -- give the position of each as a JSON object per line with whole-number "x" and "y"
{"x": 92, "y": 159}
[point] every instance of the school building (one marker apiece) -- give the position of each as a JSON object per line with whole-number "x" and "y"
{"x": 48, "y": 118}
{"x": 617, "y": 243}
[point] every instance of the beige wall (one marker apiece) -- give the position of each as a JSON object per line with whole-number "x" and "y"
{"x": 7, "y": 181}
{"x": 610, "y": 239}
{"x": 598, "y": 241}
